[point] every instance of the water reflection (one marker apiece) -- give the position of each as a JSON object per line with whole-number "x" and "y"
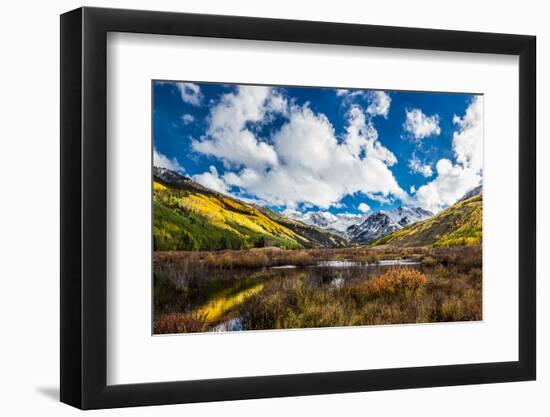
{"x": 225, "y": 292}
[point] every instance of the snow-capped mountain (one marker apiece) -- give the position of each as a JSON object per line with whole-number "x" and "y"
{"x": 406, "y": 215}
{"x": 326, "y": 220}
{"x": 173, "y": 178}
{"x": 381, "y": 223}
{"x": 362, "y": 228}
{"x": 170, "y": 176}
{"x": 374, "y": 226}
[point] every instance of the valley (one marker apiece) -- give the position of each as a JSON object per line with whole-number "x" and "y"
{"x": 223, "y": 264}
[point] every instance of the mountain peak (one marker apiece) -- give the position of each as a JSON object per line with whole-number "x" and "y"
{"x": 404, "y": 215}
{"x": 472, "y": 193}
{"x": 169, "y": 176}
{"x": 374, "y": 226}
{"x": 382, "y": 222}
{"x": 178, "y": 180}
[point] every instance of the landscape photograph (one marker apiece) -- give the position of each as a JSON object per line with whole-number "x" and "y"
{"x": 289, "y": 207}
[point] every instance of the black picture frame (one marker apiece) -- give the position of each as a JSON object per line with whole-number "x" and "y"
{"x": 84, "y": 207}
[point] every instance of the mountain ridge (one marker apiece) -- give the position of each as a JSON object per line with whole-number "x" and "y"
{"x": 382, "y": 222}
{"x": 348, "y": 225}
{"x": 189, "y": 216}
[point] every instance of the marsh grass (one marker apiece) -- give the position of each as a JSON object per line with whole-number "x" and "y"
{"x": 176, "y": 322}
{"x": 403, "y": 282}
{"x": 446, "y": 287}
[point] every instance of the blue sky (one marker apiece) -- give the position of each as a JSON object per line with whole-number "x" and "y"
{"x": 321, "y": 149}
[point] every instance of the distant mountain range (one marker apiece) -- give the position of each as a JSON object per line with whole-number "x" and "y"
{"x": 380, "y": 223}
{"x": 189, "y": 216}
{"x": 362, "y": 228}
{"x": 337, "y": 223}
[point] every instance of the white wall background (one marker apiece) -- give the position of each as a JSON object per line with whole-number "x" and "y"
{"x": 29, "y": 213}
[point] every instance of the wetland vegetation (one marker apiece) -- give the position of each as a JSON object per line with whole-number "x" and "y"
{"x": 272, "y": 288}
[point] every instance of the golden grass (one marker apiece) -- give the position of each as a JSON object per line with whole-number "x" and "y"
{"x": 272, "y": 256}
{"x": 176, "y": 322}
{"x": 226, "y": 213}
{"x": 216, "y": 210}
{"x": 397, "y": 280}
{"x": 157, "y": 186}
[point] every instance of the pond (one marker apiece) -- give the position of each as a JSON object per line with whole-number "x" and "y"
{"x": 221, "y": 299}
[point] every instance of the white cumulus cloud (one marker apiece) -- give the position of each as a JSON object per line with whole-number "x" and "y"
{"x": 416, "y": 166}
{"x": 421, "y": 126}
{"x": 190, "y": 93}
{"x": 468, "y": 140}
{"x": 379, "y": 103}
{"x": 162, "y": 161}
{"x": 362, "y": 136}
{"x": 188, "y": 118}
{"x": 454, "y": 180}
{"x": 212, "y": 180}
{"x": 228, "y": 136}
{"x": 314, "y": 168}
{"x": 363, "y": 207}
{"x": 303, "y": 163}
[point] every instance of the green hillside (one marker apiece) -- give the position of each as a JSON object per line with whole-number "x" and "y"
{"x": 458, "y": 225}
{"x": 187, "y": 216}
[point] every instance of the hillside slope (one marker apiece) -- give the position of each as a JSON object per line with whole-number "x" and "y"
{"x": 460, "y": 224}
{"x": 188, "y": 216}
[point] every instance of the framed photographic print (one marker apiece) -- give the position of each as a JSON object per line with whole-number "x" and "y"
{"x": 257, "y": 208}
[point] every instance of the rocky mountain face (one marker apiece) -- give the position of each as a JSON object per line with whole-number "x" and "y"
{"x": 363, "y": 228}
{"x": 374, "y": 226}
{"x": 406, "y": 215}
{"x": 381, "y": 223}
